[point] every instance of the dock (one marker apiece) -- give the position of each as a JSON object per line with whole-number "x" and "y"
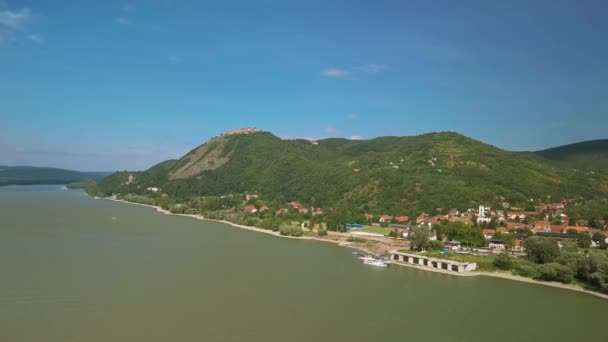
{"x": 442, "y": 264}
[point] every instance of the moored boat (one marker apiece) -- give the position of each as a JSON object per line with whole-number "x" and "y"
{"x": 373, "y": 262}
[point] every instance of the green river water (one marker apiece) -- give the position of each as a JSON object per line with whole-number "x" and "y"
{"x": 69, "y": 272}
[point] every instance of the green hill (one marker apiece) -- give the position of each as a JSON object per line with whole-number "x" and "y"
{"x": 386, "y": 174}
{"x": 591, "y": 154}
{"x": 45, "y": 175}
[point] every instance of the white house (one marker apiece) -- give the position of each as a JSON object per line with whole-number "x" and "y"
{"x": 497, "y": 245}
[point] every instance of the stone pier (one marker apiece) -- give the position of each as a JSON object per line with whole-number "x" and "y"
{"x": 442, "y": 264}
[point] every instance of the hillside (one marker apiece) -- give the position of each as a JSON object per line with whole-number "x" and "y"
{"x": 45, "y": 175}
{"x": 386, "y": 174}
{"x": 591, "y": 154}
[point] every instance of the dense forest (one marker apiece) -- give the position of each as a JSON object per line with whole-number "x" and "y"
{"x": 405, "y": 175}
{"x": 591, "y": 155}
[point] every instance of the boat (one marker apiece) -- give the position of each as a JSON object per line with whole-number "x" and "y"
{"x": 373, "y": 262}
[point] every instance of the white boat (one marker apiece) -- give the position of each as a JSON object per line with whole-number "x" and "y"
{"x": 373, "y": 262}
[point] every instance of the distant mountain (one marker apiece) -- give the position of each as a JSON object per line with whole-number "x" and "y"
{"x": 26, "y": 175}
{"x": 591, "y": 154}
{"x": 385, "y": 174}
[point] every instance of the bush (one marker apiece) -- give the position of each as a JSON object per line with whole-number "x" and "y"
{"x": 322, "y": 232}
{"x": 435, "y": 245}
{"x": 504, "y": 261}
{"x": 526, "y": 270}
{"x": 355, "y": 239}
{"x": 291, "y": 231}
{"x": 556, "y": 272}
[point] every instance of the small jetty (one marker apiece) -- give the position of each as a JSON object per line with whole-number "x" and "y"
{"x": 442, "y": 264}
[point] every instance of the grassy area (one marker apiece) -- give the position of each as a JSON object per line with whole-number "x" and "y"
{"x": 372, "y": 229}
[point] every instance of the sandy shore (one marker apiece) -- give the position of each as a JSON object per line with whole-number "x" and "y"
{"x": 255, "y": 229}
{"x": 503, "y": 275}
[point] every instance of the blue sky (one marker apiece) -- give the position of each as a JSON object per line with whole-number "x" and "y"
{"x": 107, "y": 85}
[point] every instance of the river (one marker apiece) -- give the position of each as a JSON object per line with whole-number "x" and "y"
{"x": 78, "y": 269}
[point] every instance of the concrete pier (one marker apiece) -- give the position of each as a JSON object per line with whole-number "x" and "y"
{"x": 443, "y": 264}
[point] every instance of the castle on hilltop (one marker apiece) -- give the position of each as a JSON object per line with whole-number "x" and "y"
{"x": 244, "y": 130}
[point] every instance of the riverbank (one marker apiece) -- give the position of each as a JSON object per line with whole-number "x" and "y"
{"x": 250, "y": 228}
{"x": 343, "y": 243}
{"x": 504, "y": 275}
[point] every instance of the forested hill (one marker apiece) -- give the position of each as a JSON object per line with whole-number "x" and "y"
{"x": 591, "y": 154}
{"x": 386, "y": 174}
{"x": 45, "y": 175}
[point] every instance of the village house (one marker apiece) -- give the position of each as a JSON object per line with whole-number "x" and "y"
{"x": 421, "y": 218}
{"x": 317, "y": 211}
{"x": 578, "y": 229}
{"x": 251, "y": 209}
{"x": 369, "y": 217}
{"x": 295, "y": 205}
{"x": 251, "y": 196}
{"x": 264, "y": 208}
{"x": 402, "y": 219}
{"x": 512, "y": 215}
{"x": 385, "y": 218}
{"x": 515, "y": 226}
{"x": 452, "y": 245}
{"x": 488, "y": 234}
{"x": 303, "y": 210}
{"x": 497, "y": 245}
{"x": 541, "y": 227}
{"x": 518, "y": 245}
{"x": 153, "y": 189}
{"x": 557, "y": 229}
{"x": 280, "y": 212}
{"x": 502, "y": 230}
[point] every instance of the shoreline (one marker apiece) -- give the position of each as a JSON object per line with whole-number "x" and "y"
{"x": 501, "y": 275}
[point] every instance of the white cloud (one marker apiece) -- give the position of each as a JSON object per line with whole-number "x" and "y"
{"x": 16, "y": 20}
{"x": 336, "y": 73}
{"x": 329, "y": 130}
{"x": 350, "y": 73}
{"x": 356, "y": 137}
{"x": 14, "y": 23}
{"x": 353, "y": 116}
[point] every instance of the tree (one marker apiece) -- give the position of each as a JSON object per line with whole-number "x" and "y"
{"x": 504, "y": 261}
{"x": 336, "y": 219}
{"x": 541, "y": 250}
{"x": 598, "y": 237}
{"x": 556, "y": 272}
{"x": 394, "y": 233}
{"x": 583, "y": 240}
{"x": 419, "y": 237}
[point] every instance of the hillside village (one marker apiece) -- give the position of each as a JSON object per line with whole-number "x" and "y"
{"x": 502, "y": 229}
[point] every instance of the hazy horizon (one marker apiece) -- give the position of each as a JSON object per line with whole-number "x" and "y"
{"x": 115, "y": 85}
